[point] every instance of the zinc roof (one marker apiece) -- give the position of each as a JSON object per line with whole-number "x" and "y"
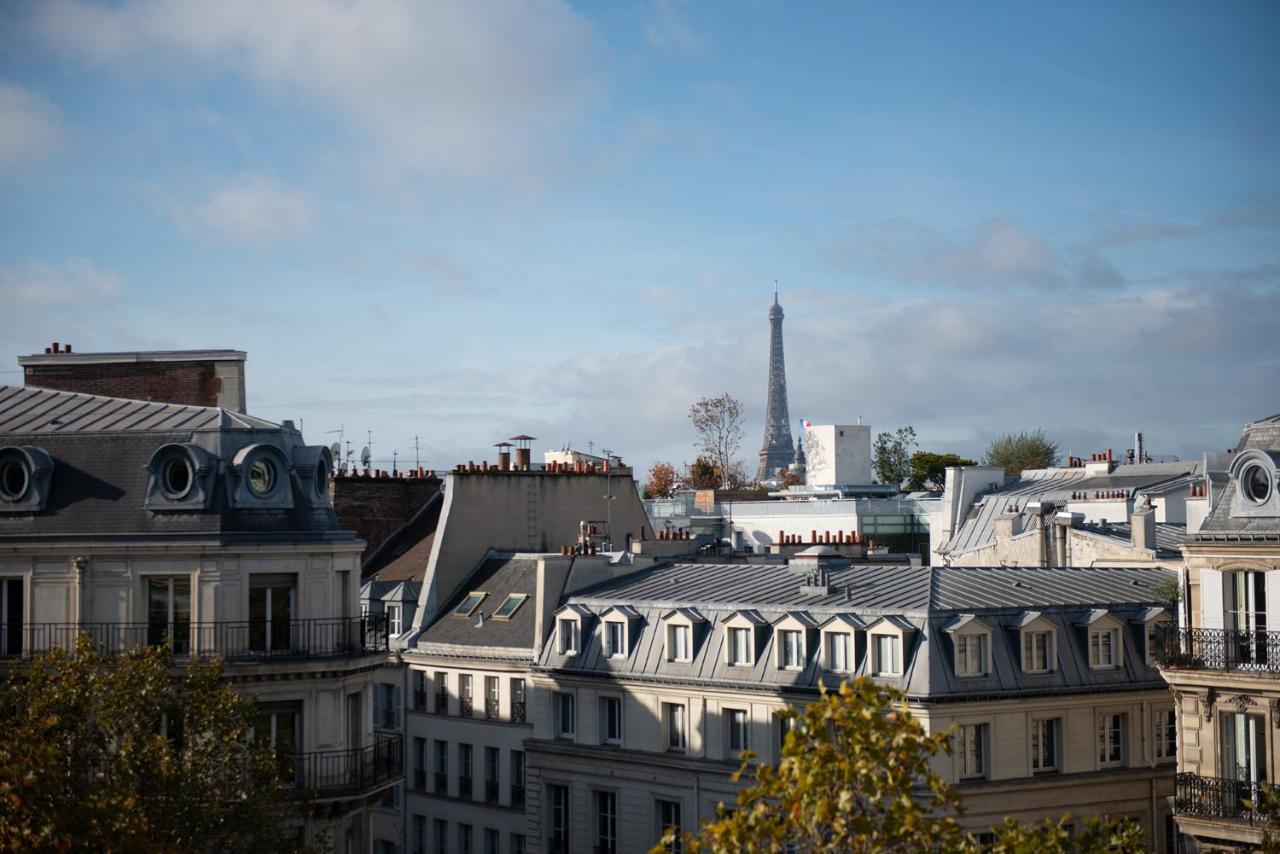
{"x": 30, "y": 411}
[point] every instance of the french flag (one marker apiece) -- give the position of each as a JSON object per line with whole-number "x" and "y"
{"x": 804, "y": 422}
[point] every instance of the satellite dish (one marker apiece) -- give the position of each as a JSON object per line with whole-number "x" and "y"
{"x": 336, "y": 450}
{"x": 365, "y": 457}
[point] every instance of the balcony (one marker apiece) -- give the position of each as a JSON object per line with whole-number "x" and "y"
{"x": 517, "y": 711}
{"x": 420, "y": 701}
{"x": 1219, "y": 649}
{"x": 465, "y": 707}
{"x": 338, "y": 773}
{"x": 442, "y": 783}
{"x": 491, "y": 708}
{"x": 491, "y": 791}
{"x": 464, "y": 787}
{"x": 1219, "y": 798}
{"x": 420, "y": 779}
{"x": 517, "y": 795}
{"x": 237, "y": 640}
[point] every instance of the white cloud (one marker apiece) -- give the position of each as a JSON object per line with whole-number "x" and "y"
{"x": 666, "y": 28}
{"x": 29, "y": 125}
{"x": 73, "y": 282}
{"x": 455, "y": 88}
{"x": 255, "y": 211}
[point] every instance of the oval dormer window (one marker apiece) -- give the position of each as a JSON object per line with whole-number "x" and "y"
{"x": 262, "y": 477}
{"x": 1256, "y": 482}
{"x": 15, "y": 479}
{"x": 176, "y": 477}
{"x": 322, "y": 479}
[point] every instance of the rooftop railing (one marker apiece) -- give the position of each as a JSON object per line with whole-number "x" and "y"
{"x": 334, "y": 773}
{"x": 1219, "y": 649}
{"x": 242, "y": 640}
{"x": 1217, "y": 797}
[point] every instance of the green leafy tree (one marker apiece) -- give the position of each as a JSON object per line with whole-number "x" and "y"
{"x": 892, "y": 455}
{"x": 855, "y": 776}
{"x": 717, "y": 421}
{"x": 116, "y": 754}
{"x": 1015, "y": 452}
{"x": 929, "y": 470}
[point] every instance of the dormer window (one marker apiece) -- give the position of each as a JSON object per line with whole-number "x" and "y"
{"x": 838, "y": 641}
{"x": 679, "y": 646}
{"x": 679, "y": 634}
{"x": 744, "y": 634}
{"x": 971, "y": 655}
{"x": 615, "y": 639}
{"x": 791, "y": 645}
{"x": 1156, "y": 625}
{"x": 1103, "y": 648}
{"x": 886, "y": 655}
{"x": 740, "y": 647}
{"x": 567, "y": 633}
{"x": 1037, "y": 651}
{"x": 468, "y": 605}
{"x": 839, "y": 649}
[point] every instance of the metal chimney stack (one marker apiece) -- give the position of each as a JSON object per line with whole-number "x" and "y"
{"x": 1137, "y": 446}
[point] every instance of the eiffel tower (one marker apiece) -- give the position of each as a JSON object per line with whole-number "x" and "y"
{"x": 777, "y": 450}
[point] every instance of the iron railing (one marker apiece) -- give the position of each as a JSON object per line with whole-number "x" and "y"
{"x": 442, "y": 783}
{"x": 1218, "y": 797}
{"x": 517, "y": 711}
{"x": 491, "y": 708}
{"x": 517, "y": 795}
{"x": 236, "y": 640}
{"x": 420, "y": 700}
{"x": 491, "y": 791}
{"x": 420, "y": 779}
{"x": 330, "y": 773}
{"x": 465, "y": 706}
{"x": 1218, "y": 649}
{"x": 464, "y": 787}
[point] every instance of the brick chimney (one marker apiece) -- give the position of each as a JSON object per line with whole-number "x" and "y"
{"x": 1142, "y": 525}
{"x": 522, "y": 451}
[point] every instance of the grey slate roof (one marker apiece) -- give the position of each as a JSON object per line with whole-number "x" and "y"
{"x": 499, "y": 575}
{"x": 1264, "y": 435}
{"x": 1169, "y": 535}
{"x": 924, "y": 600}
{"x": 27, "y": 411}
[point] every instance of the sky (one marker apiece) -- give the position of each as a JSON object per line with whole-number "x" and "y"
{"x": 458, "y": 221}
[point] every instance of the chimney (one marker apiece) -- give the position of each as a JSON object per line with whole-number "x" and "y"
{"x": 504, "y": 456}
{"x": 1137, "y": 447}
{"x": 522, "y": 451}
{"x": 1142, "y": 523}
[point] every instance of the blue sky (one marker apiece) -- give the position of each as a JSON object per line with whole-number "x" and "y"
{"x": 461, "y": 221}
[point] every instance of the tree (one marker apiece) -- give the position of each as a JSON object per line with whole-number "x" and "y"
{"x": 718, "y": 424}
{"x": 702, "y": 474}
{"x": 117, "y": 754}
{"x": 893, "y": 455}
{"x": 855, "y": 776}
{"x": 1013, "y": 453}
{"x": 662, "y": 480}
{"x": 929, "y": 470}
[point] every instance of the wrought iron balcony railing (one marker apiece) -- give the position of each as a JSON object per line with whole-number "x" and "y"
{"x": 333, "y": 773}
{"x": 1218, "y": 649}
{"x": 236, "y": 640}
{"x": 1217, "y": 797}
{"x": 491, "y": 791}
{"x": 442, "y": 783}
{"x": 464, "y": 787}
{"x": 491, "y": 708}
{"x": 517, "y": 711}
{"x": 465, "y": 706}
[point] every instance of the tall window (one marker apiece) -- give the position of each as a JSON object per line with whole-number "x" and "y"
{"x": 1111, "y": 738}
{"x": 1037, "y": 652}
{"x": 517, "y": 843}
{"x": 606, "y": 835}
{"x": 1044, "y": 744}
{"x": 886, "y": 655}
{"x": 491, "y": 697}
{"x": 442, "y": 767}
{"x": 386, "y": 706}
{"x": 394, "y": 620}
{"x": 491, "y": 755}
{"x": 1103, "y": 648}
{"x": 567, "y": 634}
{"x": 517, "y": 778}
{"x": 673, "y": 714}
{"x": 442, "y": 693}
{"x": 558, "y": 819}
{"x": 785, "y": 726}
{"x": 735, "y": 725}
{"x": 420, "y": 764}
{"x": 420, "y": 834}
{"x": 169, "y": 612}
{"x": 11, "y": 616}
{"x": 678, "y": 643}
{"x": 419, "y": 683}
{"x": 464, "y": 770}
{"x": 466, "y": 700}
{"x": 1166, "y": 735}
{"x": 465, "y": 839}
{"x": 1245, "y": 601}
{"x": 668, "y": 818}
{"x": 566, "y": 725}
{"x": 490, "y": 840}
{"x": 792, "y": 649}
{"x": 280, "y": 728}
{"x": 971, "y": 752}
{"x": 271, "y": 613}
{"x": 611, "y": 720}
{"x": 971, "y": 655}
{"x": 615, "y": 639}
{"x": 838, "y": 651}
{"x": 740, "y": 647}
{"x": 1243, "y": 747}
{"x": 517, "y": 700}
{"x": 442, "y": 835}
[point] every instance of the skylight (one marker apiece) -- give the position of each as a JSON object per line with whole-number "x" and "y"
{"x": 469, "y": 604}
{"x": 510, "y": 606}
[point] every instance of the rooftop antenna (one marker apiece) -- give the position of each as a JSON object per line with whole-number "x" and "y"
{"x": 416, "y": 462}
{"x": 348, "y": 460}
{"x": 365, "y": 457}
{"x": 394, "y": 454}
{"x": 336, "y": 447}
{"x": 336, "y": 451}
{"x": 775, "y": 291}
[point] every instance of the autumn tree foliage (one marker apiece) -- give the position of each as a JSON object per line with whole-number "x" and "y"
{"x": 855, "y": 776}
{"x": 662, "y": 481}
{"x": 717, "y": 423}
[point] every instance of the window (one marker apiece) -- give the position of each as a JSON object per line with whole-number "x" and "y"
{"x": 271, "y": 609}
{"x": 491, "y": 755}
{"x": 611, "y": 720}
{"x": 565, "y": 723}
{"x": 15, "y": 477}
{"x": 442, "y": 767}
{"x": 886, "y": 655}
{"x": 517, "y": 843}
{"x": 838, "y": 651}
{"x": 1044, "y": 744}
{"x": 1103, "y": 652}
{"x": 971, "y": 752}
{"x": 785, "y": 726}
{"x": 606, "y": 833}
{"x": 442, "y": 836}
{"x": 567, "y": 633}
{"x": 678, "y": 643}
{"x": 464, "y": 770}
{"x": 735, "y": 725}
{"x": 469, "y": 604}
{"x": 1242, "y": 743}
{"x": 668, "y": 818}
{"x": 442, "y": 693}
{"x": 517, "y": 778}
{"x": 490, "y": 841}
{"x": 464, "y": 838}
{"x": 1037, "y": 652}
{"x": 971, "y": 655}
{"x": 1245, "y": 617}
{"x": 509, "y": 606}
{"x": 419, "y": 683}
{"x": 1155, "y": 635}
{"x": 673, "y": 716}
{"x": 419, "y": 834}
{"x": 615, "y": 639}
{"x": 11, "y": 612}
{"x": 465, "y": 699}
{"x": 517, "y": 700}
{"x": 280, "y": 728}
{"x": 491, "y": 697}
{"x": 1166, "y": 735}
{"x": 420, "y": 764}
{"x": 386, "y": 706}
{"x": 169, "y": 613}
{"x": 1111, "y": 739}
{"x": 262, "y": 477}
{"x": 740, "y": 652}
{"x": 558, "y": 819}
{"x": 791, "y": 643}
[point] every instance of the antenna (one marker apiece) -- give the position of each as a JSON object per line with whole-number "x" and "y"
{"x": 394, "y": 454}
{"x": 336, "y": 447}
{"x": 417, "y": 463}
{"x": 336, "y": 450}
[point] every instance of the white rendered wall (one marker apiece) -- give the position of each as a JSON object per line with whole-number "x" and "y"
{"x": 838, "y": 455}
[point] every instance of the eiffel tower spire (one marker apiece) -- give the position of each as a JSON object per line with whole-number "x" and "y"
{"x": 777, "y": 450}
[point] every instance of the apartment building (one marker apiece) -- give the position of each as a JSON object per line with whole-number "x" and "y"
{"x": 1223, "y": 664}
{"x": 651, "y": 684}
{"x": 146, "y": 522}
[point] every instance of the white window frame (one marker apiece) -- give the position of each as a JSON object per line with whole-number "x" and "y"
{"x": 1166, "y": 734}
{"x": 972, "y": 662}
{"x": 878, "y": 666}
{"x": 395, "y": 622}
{"x": 1111, "y": 724}
{"x": 1039, "y": 740}
{"x": 675, "y": 726}
{"x": 674, "y": 651}
{"x": 565, "y": 709}
{"x": 618, "y": 649}
{"x": 1096, "y": 648}
{"x": 792, "y": 654}
{"x": 569, "y": 635}
{"x": 731, "y": 728}
{"x": 1029, "y": 636}
{"x": 747, "y": 658}
{"x": 971, "y": 752}
{"x": 1150, "y": 638}
{"x": 608, "y": 702}
{"x": 846, "y": 642}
